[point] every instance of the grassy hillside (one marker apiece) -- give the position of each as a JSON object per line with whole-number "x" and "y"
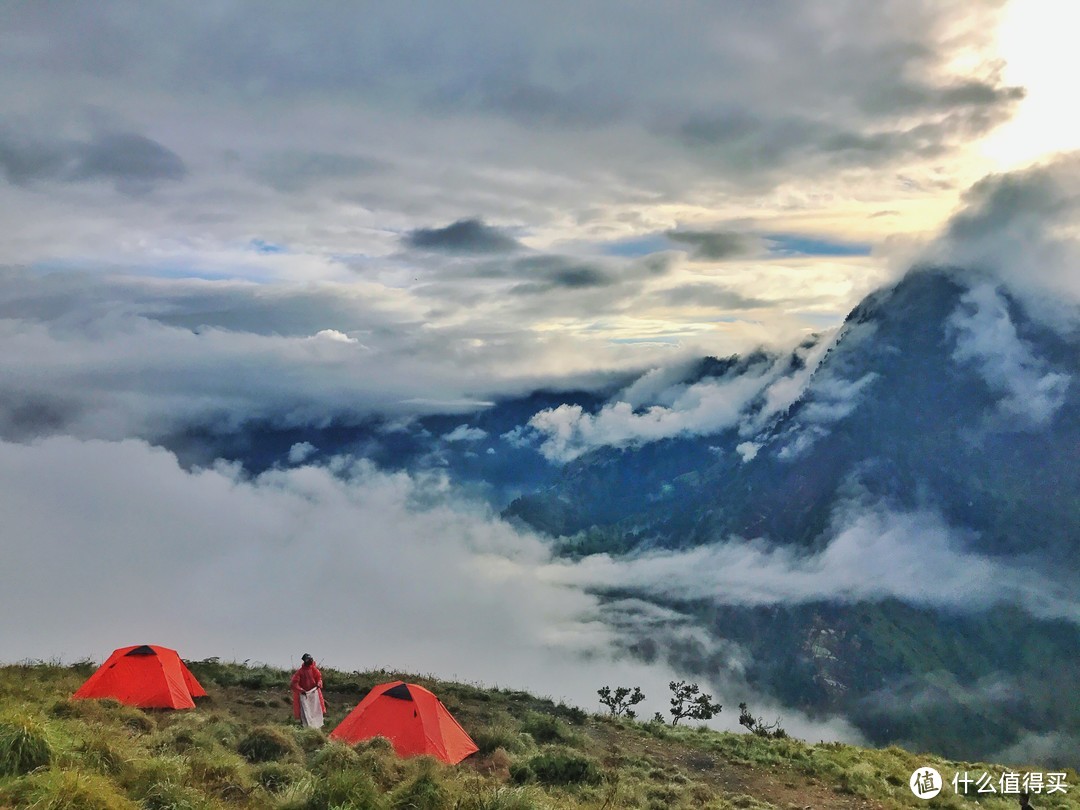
{"x": 240, "y": 749}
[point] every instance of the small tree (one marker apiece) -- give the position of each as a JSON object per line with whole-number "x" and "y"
{"x": 757, "y": 726}
{"x": 689, "y": 701}
{"x": 620, "y": 700}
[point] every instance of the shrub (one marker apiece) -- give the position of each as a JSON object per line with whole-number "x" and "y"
{"x": 575, "y": 714}
{"x": 546, "y": 729}
{"x": 268, "y": 744}
{"x": 557, "y": 768}
{"x": 23, "y": 746}
{"x": 620, "y": 701}
{"x": 423, "y": 793}
{"x": 688, "y": 701}
{"x": 758, "y": 726}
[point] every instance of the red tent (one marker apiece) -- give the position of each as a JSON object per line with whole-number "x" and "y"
{"x": 146, "y": 676}
{"x": 412, "y": 718}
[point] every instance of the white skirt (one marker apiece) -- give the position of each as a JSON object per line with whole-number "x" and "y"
{"x": 311, "y": 713}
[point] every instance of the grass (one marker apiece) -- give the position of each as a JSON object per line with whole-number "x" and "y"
{"x": 240, "y": 749}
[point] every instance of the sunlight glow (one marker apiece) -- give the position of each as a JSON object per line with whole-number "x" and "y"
{"x": 1037, "y": 41}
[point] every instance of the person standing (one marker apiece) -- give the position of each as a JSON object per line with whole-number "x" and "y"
{"x": 307, "y": 691}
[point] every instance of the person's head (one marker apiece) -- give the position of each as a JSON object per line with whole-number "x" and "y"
{"x": 307, "y": 659}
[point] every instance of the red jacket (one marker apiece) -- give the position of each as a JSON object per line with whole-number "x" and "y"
{"x": 305, "y": 679}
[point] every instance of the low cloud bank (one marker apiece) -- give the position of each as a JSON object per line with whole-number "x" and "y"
{"x": 362, "y": 568}
{"x": 874, "y": 554}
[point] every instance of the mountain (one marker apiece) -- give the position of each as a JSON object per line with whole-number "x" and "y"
{"x": 940, "y": 395}
{"x": 898, "y": 504}
{"x": 888, "y": 408}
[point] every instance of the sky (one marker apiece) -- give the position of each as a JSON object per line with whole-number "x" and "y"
{"x": 302, "y": 214}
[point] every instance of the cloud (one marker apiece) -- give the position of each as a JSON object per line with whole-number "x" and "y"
{"x": 700, "y": 408}
{"x": 678, "y": 399}
{"x": 295, "y": 170}
{"x": 133, "y": 163}
{"x": 1030, "y": 393}
{"x": 872, "y": 554}
{"x": 714, "y": 245}
{"x": 301, "y": 451}
{"x": 465, "y": 433}
{"x": 1022, "y": 228}
{"x": 463, "y": 236}
{"x": 112, "y": 357}
{"x": 424, "y": 119}
{"x": 214, "y": 564}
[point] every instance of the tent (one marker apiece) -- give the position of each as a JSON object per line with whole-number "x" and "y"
{"x": 146, "y": 676}
{"x": 412, "y": 718}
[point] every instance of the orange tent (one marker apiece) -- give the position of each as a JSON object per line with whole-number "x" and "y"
{"x": 146, "y": 676}
{"x": 412, "y": 718}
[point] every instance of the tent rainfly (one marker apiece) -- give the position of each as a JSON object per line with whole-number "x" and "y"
{"x": 146, "y": 676}
{"x": 412, "y": 718}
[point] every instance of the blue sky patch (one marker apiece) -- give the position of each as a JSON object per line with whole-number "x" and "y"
{"x": 262, "y": 246}
{"x": 637, "y": 246}
{"x": 788, "y": 244}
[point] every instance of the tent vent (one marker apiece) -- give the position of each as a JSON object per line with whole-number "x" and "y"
{"x": 401, "y": 692}
{"x": 145, "y": 649}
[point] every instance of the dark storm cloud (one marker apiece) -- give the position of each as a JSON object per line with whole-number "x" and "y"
{"x": 132, "y": 162}
{"x": 713, "y": 245}
{"x": 463, "y": 236}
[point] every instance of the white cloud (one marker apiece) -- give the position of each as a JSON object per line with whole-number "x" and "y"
{"x": 300, "y": 452}
{"x": 1023, "y": 228}
{"x": 747, "y": 450}
{"x": 1030, "y": 394}
{"x": 699, "y": 408}
{"x": 361, "y": 568}
{"x": 873, "y": 554}
{"x": 465, "y": 433}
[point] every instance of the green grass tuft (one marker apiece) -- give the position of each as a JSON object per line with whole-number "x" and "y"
{"x": 268, "y": 744}
{"x": 423, "y": 793}
{"x": 24, "y": 747}
{"x": 334, "y": 756}
{"x": 557, "y": 768}
{"x": 275, "y": 777}
{"x": 174, "y": 796}
{"x": 65, "y": 790}
{"x": 544, "y": 728}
